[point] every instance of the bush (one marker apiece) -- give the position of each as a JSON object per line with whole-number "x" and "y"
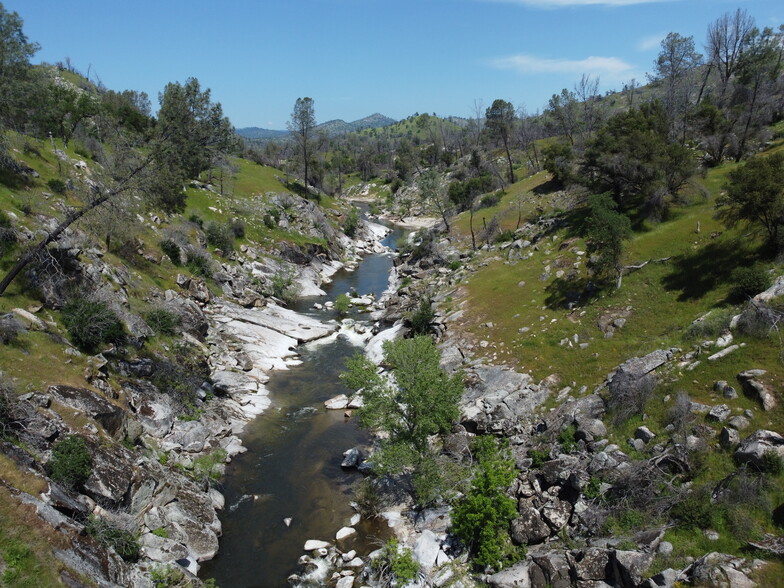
{"x": 199, "y": 263}
{"x": 748, "y": 281}
{"x": 57, "y": 186}
{"x": 163, "y": 322}
{"x": 196, "y": 220}
{"x": 91, "y": 323}
{"x": 538, "y": 457}
{"x": 172, "y": 250}
{"x": 711, "y": 324}
{"x": 491, "y": 199}
{"x": 422, "y": 317}
{"x": 342, "y": 303}
{"x": 395, "y": 564}
{"x": 352, "y": 222}
{"x": 283, "y": 286}
{"x": 481, "y": 519}
{"x": 237, "y": 227}
{"x": 7, "y": 234}
{"x": 71, "y": 463}
{"x": 122, "y": 541}
{"x": 220, "y": 236}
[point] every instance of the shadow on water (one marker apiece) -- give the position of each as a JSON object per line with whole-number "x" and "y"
{"x": 292, "y": 467}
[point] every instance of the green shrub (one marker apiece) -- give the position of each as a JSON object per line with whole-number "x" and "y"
{"x": 163, "y": 321}
{"x": 342, "y": 303}
{"x": 91, "y": 323}
{"x": 71, "y": 463}
{"x": 455, "y": 264}
{"x": 771, "y": 463}
{"x": 220, "y": 236}
{"x": 172, "y": 250}
{"x": 123, "y": 542}
{"x": 422, "y": 317}
{"x": 696, "y": 511}
{"x": 566, "y": 438}
{"x": 490, "y": 200}
{"x": 538, "y": 457}
{"x": 352, "y": 222}
{"x": 161, "y": 532}
{"x": 237, "y": 227}
{"x": 395, "y": 564}
{"x": 199, "y": 263}
{"x": 57, "y": 186}
{"x": 507, "y": 235}
{"x": 196, "y": 220}
{"x": 748, "y": 281}
{"x": 710, "y": 325}
{"x": 481, "y": 519}
{"x": 283, "y": 285}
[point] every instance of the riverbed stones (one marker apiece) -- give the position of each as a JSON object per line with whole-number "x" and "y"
{"x": 314, "y": 544}
{"x": 344, "y": 533}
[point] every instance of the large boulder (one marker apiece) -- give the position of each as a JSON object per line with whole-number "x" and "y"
{"x": 110, "y": 417}
{"x": 529, "y": 528}
{"x": 754, "y": 448}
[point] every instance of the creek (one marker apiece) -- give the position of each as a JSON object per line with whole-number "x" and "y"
{"x": 292, "y": 466}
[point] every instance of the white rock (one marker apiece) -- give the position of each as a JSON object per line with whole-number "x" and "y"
{"x": 345, "y": 532}
{"x": 314, "y": 544}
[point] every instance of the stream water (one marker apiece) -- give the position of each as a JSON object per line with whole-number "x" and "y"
{"x": 292, "y": 467}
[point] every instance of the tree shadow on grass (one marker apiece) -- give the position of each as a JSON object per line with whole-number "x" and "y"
{"x": 699, "y": 272}
{"x": 567, "y": 293}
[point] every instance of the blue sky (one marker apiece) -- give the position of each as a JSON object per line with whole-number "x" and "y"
{"x": 356, "y": 57}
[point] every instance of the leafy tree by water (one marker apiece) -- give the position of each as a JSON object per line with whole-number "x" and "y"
{"x": 420, "y": 401}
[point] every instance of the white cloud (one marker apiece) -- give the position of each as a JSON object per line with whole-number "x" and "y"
{"x": 610, "y": 68}
{"x": 562, "y": 3}
{"x": 650, "y": 42}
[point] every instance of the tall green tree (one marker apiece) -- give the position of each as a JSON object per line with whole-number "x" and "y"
{"x": 15, "y": 71}
{"x": 633, "y": 157}
{"x": 302, "y": 127}
{"x": 192, "y": 134}
{"x": 755, "y": 194}
{"x": 419, "y": 401}
{"x": 500, "y": 120}
{"x": 606, "y": 230}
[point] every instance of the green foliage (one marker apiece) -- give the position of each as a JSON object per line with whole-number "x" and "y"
{"x": 220, "y": 236}
{"x": 482, "y": 518}
{"x": 625, "y": 521}
{"x": 163, "y": 321}
{"x": 396, "y": 565}
{"x": 172, "y": 250}
{"x": 771, "y": 463}
{"x": 566, "y": 438}
{"x": 633, "y": 157}
{"x": 696, "y": 511}
{"x": 710, "y": 325}
{"x": 748, "y": 281}
{"x": 56, "y": 185}
{"x": 351, "y": 223}
{"x": 91, "y": 323}
{"x": 538, "y": 457}
{"x": 122, "y": 541}
{"x": 755, "y": 193}
{"x": 199, "y": 263}
{"x": 421, "y": 402}
{"x": 490, "y": 200}
{"x": 71, "y": 463}
{"x": 422, "y": 317}
{"x": 207, "y": 469}
{"x": 606, "y": 230}
{"x": 342, "y": 303}
{"x": 181, "y": 374}
{"x": 21, "y": 567}
{"x": 283, "y": 285}
{"x": 559, "y": 161}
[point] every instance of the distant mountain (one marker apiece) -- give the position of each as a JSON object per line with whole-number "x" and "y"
{"x": 332, "y": 127}
{"x": 258, "y": 133}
